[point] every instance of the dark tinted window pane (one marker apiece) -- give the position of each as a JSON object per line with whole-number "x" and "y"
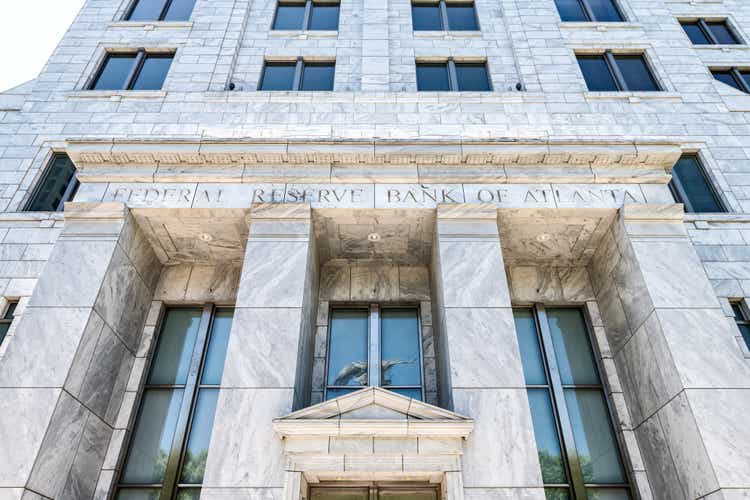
{"x": 426, "y": 18}
{"x": 153, "y": 73}
{"x": 592, "y": 432}
{"x": 339, "y": 494}
{"x": 318, "y": 77}
{"x": 690, "y": 177}
{"x": 695, "y": 33}
{"x": 605, "y": 11}
{"x": 53, "y": 185}
{"x": 746, "y": 76}
{"x": 217, "y": 347}
{"x": 278, "y": 76}
{"x": 570, "y": 10}
{"x": 739, "y": 314}
{"x": 432, "y": 77}
{"x": 636, "y": 73}
{"x": 722, "y": 33}
{"x": 596, "y": 73}
{"x": 188, "y": 494}
{"x": 727, "y": 78}
{"x": 547, "y": 439}
{"x": 348, "y": 347}
{"x": 556, "y": 494}
{"x": 575, "y": 359}
{"x": 139, "y": 494}
{"x": 10, "y": 310}
{"x": 3, "y": 331}
{"x": 409, "y": 393}
{"x": 462, "y": 17}
{"x": 194, "y": 463}
{"x": 396, "y": 494}
{"x": 528, "y": 342}
{"x": 175, "y": 349}
{"x": 289, "y": 17}
{"x": 745, "y": 331}
{"x": 399, "y": 350}
{"x": 146, "y": 10}
{"x": 114, "y": 72}
{"x": 607, "y": 494}
{"x": 324, "y": 17}
{"x": 180, "y": 10}
{"x": 334, "y": 393}
{"x": 149, "y": 451}
{"x": 472, "y": 77}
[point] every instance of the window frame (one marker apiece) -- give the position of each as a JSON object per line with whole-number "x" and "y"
{"x": 453, "y": 74}
{"x": 70, "y": 190}
{"x": 589, "y": 13}
{"x": 744, "y": 318}
{"x": 299, "y": 69}
{"x": 307, "y": 18}
{"x": 736, "y": 74}
{"x": 706, "y": 30}
{"x": 191, "y": 390}
{"x": 374, "y": 346}
{"x": 10, "y": 309}
{"x": 166, "y": 4}
{"x": 375, "y": 487}
{"x": 678, "y": 190}
{"x": 141, "y": 55}
{"x": 576, "y": 485}
{"x": 442, "y": 6}
{"x": 616, "y": 73}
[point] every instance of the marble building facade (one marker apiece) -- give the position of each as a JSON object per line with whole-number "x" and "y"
{"x": 468, "y": 210}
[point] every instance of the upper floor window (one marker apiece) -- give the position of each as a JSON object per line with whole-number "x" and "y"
{"x": 444, "y": 16}
{"x": 298, "y": 75}
{"x": 160, "y": 10}
{"x": 133, "y": 71}
{"x": 307, "y": 15}
{"x": 374, "y": 346}
{"x": 7, "y": 319}
{"x": 57, "y": 185}
{"x": 453, "y": 76}
{"x": 170, "y": 439}
{"x": 691, "y": 187}
{"x": 739, "y": 79}
{"x": 743, "y": 321}
{"x": 589, "y": 10}
{"x": 610, "y": 72}
{"x": 576, "y": 442}
{"x": 702, "y": 32}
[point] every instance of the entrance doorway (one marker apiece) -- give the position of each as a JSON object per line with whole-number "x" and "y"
{"x": 375, "y": 492}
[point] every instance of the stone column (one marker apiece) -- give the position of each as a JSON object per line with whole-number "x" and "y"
{"x": 685, "y": 381}
{"x": 480, "y": 372}
{"x": 268, "y": 366}
{"x": 64, "y": 374}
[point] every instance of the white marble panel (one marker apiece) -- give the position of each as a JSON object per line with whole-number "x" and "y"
{"x": 511, "y": 195}
{"x": 222, "y": 195}
{"x": 473, "y": 274}
{"x": 331, "y": 195}
{"x": 273, "y": 274}
{"x": 596, "y": 195}
{"x": 417, "y": 195}
{"x": 173, "y": 195}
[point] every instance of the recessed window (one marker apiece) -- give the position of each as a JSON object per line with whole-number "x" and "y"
{"x": 7, "y": 319}
{"x": 743, "y": 321}
{"x": 298, "y": 75}
{"x": 702, "y": 32}
{"x": 453, "y": 76}
{"x": 133, "y": 71}
{"x": 739, "y": 79}
{"x": 691, "y": 187}
{"x": 444, "y": 16}
{"x": 576, "y": 442}
{"x": 622, "y": 72}
{"x": 57, "y": 185}
{"x": 170, "y": 439}
{"x": 309, "y": 15}
{"x": 589, "y": 10}
{"x": 160, "y": 10}
{"x": 374, "y": 346}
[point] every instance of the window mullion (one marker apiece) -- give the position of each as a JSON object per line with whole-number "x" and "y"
{"x": 444, "y": 16}
{"x": 740, "y": 80}
{"x": 164, "y": 9}
{"x": 452, "y": 75}
{"x": 297, "y": 82}
{"x": 130, "y": 80}
{"x": 69, "y": 190}
{"x": 707, "y": 31}
{"x": 615, "y": 69}
{"x": 171, "y": 475}
{"x": 374, "y": 361}
{"x": 587, "y": 10}
{"x": 576, "y": 473}
{"x": 306, "y": 19}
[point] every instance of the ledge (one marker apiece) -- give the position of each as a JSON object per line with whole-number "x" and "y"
{"x": 447, "y": 35}
{"x": 151, "y": 24}
{"x": 634, "y": 97}
{"x": 597, "y": 26}
{"x": 722, "y": 47}
{"x": 116, "y": 94}
{"x": 303, "y": 34}
{"x": 726, "y": 218}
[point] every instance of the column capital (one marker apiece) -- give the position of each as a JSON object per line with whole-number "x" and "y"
{"x": 653, "y": 221}
{"x": 280, "y": 211}
{"x": 85, "y": 220}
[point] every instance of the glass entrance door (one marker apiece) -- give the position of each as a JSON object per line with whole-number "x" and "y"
{"x": 374, "y": 493}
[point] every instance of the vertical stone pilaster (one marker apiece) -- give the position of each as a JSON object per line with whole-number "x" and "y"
{"x": 63, "y": 378}
{"x": 375, "y": 47}
{"x": 268, "y": 367}
{"x": 480, "y": 368}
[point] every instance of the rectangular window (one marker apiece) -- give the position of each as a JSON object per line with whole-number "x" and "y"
{"x": 7, "y": 319}
{"x": 743, "y": 321}
{"x": 444, "y": 16}
{"x": 374, "y": 346}
{"x": 133, "y": 71}
{"x": 298, "y": 75}
{"x": 603, "y": 11}
{"x": 169, "y": 444}
{"x": 691, "y": 187}
{"x": 739, "y": 79}
{"x": 160, "y": 10}
{"x": 621, "y": 72}
{"x": 307, "y": 15}
{"x": 576, "y": 442}
{"x": 57, "y": 185}
{"x": 453, "y": 76}
{"x": 702, "y": 32}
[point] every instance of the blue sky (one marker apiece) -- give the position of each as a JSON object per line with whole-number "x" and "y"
{"x": 29, "y": 32}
